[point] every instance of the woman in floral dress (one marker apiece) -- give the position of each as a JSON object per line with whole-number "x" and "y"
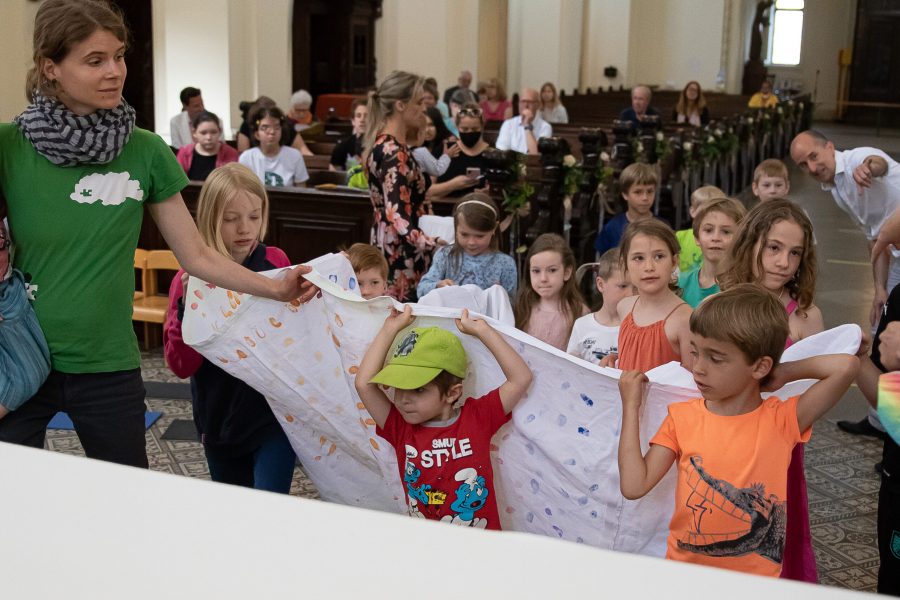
{"x": 396, "y": 184}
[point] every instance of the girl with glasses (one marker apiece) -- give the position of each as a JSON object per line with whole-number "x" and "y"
{"x": 275, "y": 165}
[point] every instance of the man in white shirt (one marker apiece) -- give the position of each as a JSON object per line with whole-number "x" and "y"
{"x": 865, "y": 183}
{"x": 522, "y": 133}
{"x": 180, "y": 125}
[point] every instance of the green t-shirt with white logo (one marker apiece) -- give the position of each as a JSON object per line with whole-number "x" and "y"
{"x": 75, "y": 230}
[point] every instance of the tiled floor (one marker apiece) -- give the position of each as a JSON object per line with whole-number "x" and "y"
{"x": 842, "y": 483}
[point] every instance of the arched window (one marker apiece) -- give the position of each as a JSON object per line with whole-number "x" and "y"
{"x": 786, "y": 32}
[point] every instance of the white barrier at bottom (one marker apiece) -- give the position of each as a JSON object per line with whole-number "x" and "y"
{"x": 82, "y": 529}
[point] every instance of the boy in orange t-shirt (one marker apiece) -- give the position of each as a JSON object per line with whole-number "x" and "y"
{"x": 733, "y": 447}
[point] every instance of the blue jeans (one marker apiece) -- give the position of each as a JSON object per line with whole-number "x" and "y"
{"x": 269, "y": 467}
{"x": 107, "y": 410}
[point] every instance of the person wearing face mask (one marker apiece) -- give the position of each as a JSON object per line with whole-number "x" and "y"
{"x": 460, "y": 177}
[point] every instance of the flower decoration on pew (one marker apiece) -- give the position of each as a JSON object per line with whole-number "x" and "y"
{"x": 517, "y": 190}
{"x": 604, "y": 172}
{"x": 728, "y": 142}
{"x": 709, "y": 150}
{"x": 573, "y": 175}
{"x": 663, "y": 147}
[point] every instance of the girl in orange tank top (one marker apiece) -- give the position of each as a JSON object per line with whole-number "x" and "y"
{"x": 655, "y": 323}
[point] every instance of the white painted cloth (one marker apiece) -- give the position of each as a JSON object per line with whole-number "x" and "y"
{"x": 438, "y": 227}
{"x": 492, "y": 302}
{"x": 555, "y": 464}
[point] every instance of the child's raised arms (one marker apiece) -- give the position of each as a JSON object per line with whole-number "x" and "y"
{"x": 638, "y": 474}
{"x": 375, "y": 400}
{"x": 835, "y": 373}
{"x": 518, "y": 375}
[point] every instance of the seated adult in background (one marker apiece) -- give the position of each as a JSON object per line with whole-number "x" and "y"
{"x": 481, "y": 91}
{"x": 275, "y": 164}
{"x": 458, "y": 179}
{"x": 522, "y": 133}
{"x": 495, "y": 107}
{"x": 180, "y": 125}
{"x": 640, "y": 107}
{"x": 464, "y": 81}
{"x": 459, "y": 99}
{"x": 432, "y": 98}
{"x": 300, "y": 117}
{"x": 552, "y": 109}
{"x": 208, "y": 152}
{"x": 435, "y": 141}
{"x": 349, "y": 150}
{"x": 289, "y": 137}
{"x": 764, "y": 98}
{"x": 691, "y": 108}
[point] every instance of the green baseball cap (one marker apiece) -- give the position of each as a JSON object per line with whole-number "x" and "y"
{"x": 420, "y": 356}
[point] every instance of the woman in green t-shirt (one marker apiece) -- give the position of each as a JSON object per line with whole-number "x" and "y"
{"x": 76, "y": 175}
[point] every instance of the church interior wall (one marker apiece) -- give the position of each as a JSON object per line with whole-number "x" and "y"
{"x": 238, "y": 49}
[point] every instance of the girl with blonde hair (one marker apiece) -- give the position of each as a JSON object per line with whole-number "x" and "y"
{"x": 552, "y": 109}
{"x": 691, "y": 108}
{"x": 243, "y": 442}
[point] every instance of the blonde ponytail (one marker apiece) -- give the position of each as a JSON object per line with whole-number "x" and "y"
{"x": 398, "y": 86}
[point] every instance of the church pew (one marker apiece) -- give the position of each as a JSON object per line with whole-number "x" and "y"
{"x": 304, "y": 222}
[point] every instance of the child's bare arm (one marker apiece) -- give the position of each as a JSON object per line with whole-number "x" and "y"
{"x": 682, "y": 322}
{"x": 373, "y": 398}
{"x": 638, "y": 474}
{"x": 835, "y": 373}
{"x": 518, "y": 375}
{"x": 867, "y": 377}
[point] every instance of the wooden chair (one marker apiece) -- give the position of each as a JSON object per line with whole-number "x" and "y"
{"x": 140, "y": 265}
{"x": 152, "y": 306}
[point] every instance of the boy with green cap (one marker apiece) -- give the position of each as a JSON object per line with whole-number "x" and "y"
{"x": 443, "y": 452}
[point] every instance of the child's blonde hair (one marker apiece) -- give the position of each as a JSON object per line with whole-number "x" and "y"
{"x": 608, "y": 264}
{"x": 651, "y": 228}
{"x": 571, "y": 300}
{"x": 729, "y": 207}
{"x": 637, "y": 174}
{"x": 747, "y": 316}
{"x": 704, "y": 193}
{"x": 771, "y": 167}
{"x": 366, "y": 256}
{"x": 217, "y": 191}
{"x": 755, "y": 228}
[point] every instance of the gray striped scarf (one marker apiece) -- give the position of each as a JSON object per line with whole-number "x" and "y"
{"x": 67, "y": 139}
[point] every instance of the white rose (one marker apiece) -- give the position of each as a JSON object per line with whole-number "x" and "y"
{"x": 639, "y": 148}
{"x": 710, "y": 140}
{"x": 718, "y": 133}
{"x": 780, "y": 110}
{"x": 688, "y": 146}
{"x": 569, "y": 160}
{"x": 659, "y": 136}
{"x": 604, "y": 157}
{"x": 749, "y": 120}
